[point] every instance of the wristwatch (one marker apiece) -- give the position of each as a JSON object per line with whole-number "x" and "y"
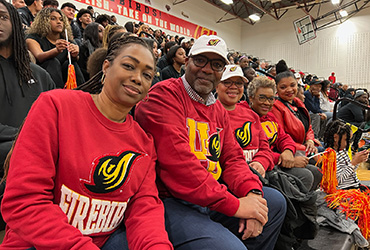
{"x": 256, "y": 191}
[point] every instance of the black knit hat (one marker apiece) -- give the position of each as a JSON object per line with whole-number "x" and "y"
{"x": 70, "y": 5}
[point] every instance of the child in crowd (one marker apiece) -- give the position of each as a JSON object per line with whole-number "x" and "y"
{"x": 337, "y": 136}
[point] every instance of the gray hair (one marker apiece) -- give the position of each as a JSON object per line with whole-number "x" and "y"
{"x": 260, "y": 82}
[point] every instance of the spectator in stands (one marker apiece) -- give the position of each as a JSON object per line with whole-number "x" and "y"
{"x": 338, "y": 136}
{"x": 95, "y": 61}
{"x": 47, "y": 43}
{"x": 342, "y": 90}
{"x": 61, "y": 167}
{"x": 261, "y": 93}
{"x": 352, "y": 113}
{"x": 21, "y": 82}
{"x": 300, "y": 93}
{"x": 292, "y": 115}
{"x": 93, "y": 37}
{"x": 312, "y": 103}
{"x": 162, "y": 62}
{"x": 244, "y": 122}
{"x": 130, "y": 27}
{"x": 29, "y": 12}
{"x": 93, "y": 14}
{"x": 325, "y": 104}
{"x": 249, "y": 73}
{"x": 176, "y": 59}
{"x": 158, "y": 36}
{"x": 113, "y": 20}
{"x": 272, "y": 71}
{"x": 69, "y": 11}
{"x": 144, "y": 31}
{"x": 334, "y": 91}
{"x": 154, "y": 46}
{"x": 18, "y": 3}
{"x": 332, "y": 77}
{"x": 349, "y": 93}
{"x": 103, "y": 19}
{"x": 109, "y": 31}
{"x": 84, "y": 18}
{"x": 50, "y": 4}
{"x": 243, "y": 62}
{"x": 195, "y": 148}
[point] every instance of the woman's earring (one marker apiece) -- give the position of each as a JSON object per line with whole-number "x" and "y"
{"x": 146, "y": 98}
{"x": 102, "y": 79}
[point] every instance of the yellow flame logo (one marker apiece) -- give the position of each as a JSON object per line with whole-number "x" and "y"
{"x": 232, "y": 69}
{"x": 214, "y": 147}
{"x": 213, "y": 42}
{"x": 111, "y": 172}
{"x": 243, "y": 135}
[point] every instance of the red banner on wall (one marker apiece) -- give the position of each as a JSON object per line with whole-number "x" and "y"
{"x": 151, "y": 16}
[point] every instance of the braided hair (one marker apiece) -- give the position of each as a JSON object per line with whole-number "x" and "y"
{"x": 339, "y": 128}
{"x": 19, "y": 48}
{"x": 94, "y": 85}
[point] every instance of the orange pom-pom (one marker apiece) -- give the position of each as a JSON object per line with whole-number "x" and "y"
{"x": 71, "y": 80}
{"x": 329, "y": 180}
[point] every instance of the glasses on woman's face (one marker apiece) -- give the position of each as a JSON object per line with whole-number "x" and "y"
{"x": 229, "y": 83}
{"x": 263, "y": 98}
{"x": 216, "y": 64}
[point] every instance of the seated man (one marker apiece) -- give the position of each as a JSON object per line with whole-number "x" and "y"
{"x": 312, "y": 103}
{"x": 352, "y": 113}
{"x": 197, "y": 152}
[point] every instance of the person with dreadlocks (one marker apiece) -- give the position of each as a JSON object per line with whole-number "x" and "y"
{"x": 82, "y": 172}
{"x": 21, "y": 81}
{"x": 337, "y": 136}
{"x": 47, "y": 42}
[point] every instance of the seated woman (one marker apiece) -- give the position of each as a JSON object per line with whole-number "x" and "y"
{"x": 245, "y": 123}
{"x": 88, "y": 168}
{"x": 261, "y": 93}
{"x": 176, "y": 58}
{"x": 325, "y": 104}
{"x": 46, "y": 41}
{"x": 294, "y": 119}
{"x": 93, "y": 37}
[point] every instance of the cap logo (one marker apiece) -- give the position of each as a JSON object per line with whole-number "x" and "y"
{"x": 213, "y": 42}
{"x": 232, "y": 69}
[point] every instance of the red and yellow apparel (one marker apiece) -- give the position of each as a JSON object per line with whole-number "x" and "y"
{"x": 250, "y": 136}
{"x": 195, "y": 148}
{"x": 291, "y": 124}
{"x": 74, "y": 173}
{"x": 277, "y": 138}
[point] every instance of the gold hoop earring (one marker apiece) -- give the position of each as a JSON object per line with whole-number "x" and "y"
{"x": 146, "y": 98}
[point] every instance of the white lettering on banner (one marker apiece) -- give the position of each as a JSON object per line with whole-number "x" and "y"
{"x": 179, "y": 29}
{"x": 91, "y": 215}
{"x": 248, "y": 154}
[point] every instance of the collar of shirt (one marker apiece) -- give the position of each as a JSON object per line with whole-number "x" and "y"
{"x": 194, "y": 95}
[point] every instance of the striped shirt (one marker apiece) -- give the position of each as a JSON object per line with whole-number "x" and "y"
{"x": 346, "y": 172}
{"x": 195, "y": 96}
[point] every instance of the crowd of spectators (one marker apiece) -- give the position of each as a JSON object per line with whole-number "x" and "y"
{"x": 247, "y": 110}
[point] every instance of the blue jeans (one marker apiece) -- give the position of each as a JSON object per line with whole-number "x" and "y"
{"x": 190, "y": 226}
{"x": 116, "y": 241}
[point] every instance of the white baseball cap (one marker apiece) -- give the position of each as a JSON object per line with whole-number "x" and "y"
{"x": 210, "y": 43}
{"x": 233, "y": 70}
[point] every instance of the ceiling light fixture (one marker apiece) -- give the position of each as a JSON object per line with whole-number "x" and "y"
{"x": 335, "y": 1}
{"x": 227, "y": 1}
{"x": 254, "y": 17}
{"x": 343, "y": 13}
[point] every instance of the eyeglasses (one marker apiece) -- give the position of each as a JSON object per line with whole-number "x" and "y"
{"x": 216, "y": 64}
{"x": 263, "y": 98}
{"x": 229, "y": 83}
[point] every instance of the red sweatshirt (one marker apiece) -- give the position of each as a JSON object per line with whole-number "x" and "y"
{"x": 75, "y": 175}
{"x": 250, "y": 136}
{"x": 195, "y": 147}
{"x": 278, "y": 139}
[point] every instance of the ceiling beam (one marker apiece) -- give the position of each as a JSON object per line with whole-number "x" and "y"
{"x": 261, "y": 9}
{"x": 214, "y": 4}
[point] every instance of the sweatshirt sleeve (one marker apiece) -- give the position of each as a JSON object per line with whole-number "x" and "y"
{"x": 27, "y": 206}
{"x": 264, "y": 154}
{"x": 164, "y": 117}
{"x": 144, "y": 217}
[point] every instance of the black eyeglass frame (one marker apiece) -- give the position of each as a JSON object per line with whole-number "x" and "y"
{"x": 207, "y": 60}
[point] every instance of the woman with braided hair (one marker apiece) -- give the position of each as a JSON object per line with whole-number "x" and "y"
{"x": 81, "y": 174}
{"x": 337, "y": 136}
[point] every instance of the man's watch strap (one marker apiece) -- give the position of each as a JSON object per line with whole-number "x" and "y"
{"x": 256, "y": 191}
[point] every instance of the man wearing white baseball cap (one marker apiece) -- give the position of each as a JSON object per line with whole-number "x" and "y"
{"x": 212, "y": 199}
